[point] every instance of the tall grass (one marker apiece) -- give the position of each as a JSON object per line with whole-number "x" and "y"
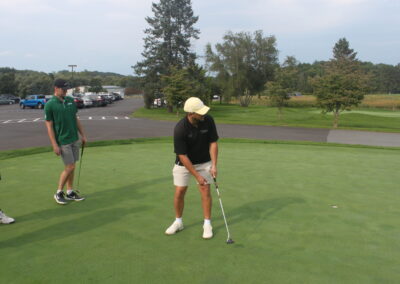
{"x": 391, "y": 102}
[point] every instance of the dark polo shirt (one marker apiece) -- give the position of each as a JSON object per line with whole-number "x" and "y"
{"x": 194, "y": 141}
{"x": 63, "y": 115}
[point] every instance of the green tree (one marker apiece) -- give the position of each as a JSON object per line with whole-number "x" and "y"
{"x": 184, "y": 83}
{"x": 167, "y": 44}
{"x": 344, "y": 83}
{"x": 31, "y": 82}
{"x": 244, "y": 61}
{"x": 96, "y": 85}
{"x": 342, "y": 51}
{"x": 285, "y": 82}
{"x": 8, "y": 84}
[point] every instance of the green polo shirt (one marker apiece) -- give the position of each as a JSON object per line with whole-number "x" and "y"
{"x": 63, "y": 115}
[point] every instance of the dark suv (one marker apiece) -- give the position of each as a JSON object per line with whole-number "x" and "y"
{"x": 13, "y": 98}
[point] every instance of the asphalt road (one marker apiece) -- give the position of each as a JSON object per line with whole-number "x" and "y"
{"x": 22, "y": 128}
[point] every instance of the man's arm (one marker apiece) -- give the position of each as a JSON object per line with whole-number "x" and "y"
{"x": 214, "y": 158}
{"x": 52, "y": 136}
{"x": 189, "y": 166}
{"x": 81, "y": 132}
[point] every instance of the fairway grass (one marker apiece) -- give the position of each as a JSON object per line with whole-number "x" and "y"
{"x": 359, "y": 119}
{"x": 279, "y": 200}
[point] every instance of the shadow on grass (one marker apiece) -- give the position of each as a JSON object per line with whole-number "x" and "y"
{"x": 72, "y": 227}
{"x": 102, "y": 199}
{"x": 254, "y": 212}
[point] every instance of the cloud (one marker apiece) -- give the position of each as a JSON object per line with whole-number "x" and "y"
{"x": 6, "y": 53}
{"x": 25, "y": 6}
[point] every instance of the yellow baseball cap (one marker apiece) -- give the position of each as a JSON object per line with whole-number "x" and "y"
{"x": 194, "y": 104}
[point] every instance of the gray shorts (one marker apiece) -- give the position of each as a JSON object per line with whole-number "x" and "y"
{"x": 70, "y": 153}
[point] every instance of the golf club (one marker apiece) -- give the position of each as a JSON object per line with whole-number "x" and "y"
{"x": 229, "y": 239}
{"x": 80, "y": 168}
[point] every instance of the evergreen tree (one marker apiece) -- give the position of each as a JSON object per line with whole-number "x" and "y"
{"x": 342, "y": 51}
{"x": 344, "y": 83}
{"x": 167, "y": 43}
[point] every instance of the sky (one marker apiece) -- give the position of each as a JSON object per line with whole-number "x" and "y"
{"x": 107, "y": 35}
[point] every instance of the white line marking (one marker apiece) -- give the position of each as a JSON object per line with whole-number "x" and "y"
{"x": 103, "y": 117}
{"x": 126, "y": 117}
{"x": 36, "y": 119}
{"x": 116, "y": 117}
{"x": 7, "y": 121}
{"x": 90, "y": 117}
{"x": 22, "y": 120}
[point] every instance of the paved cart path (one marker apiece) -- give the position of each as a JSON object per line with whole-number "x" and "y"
{"x": 25, "y": 128}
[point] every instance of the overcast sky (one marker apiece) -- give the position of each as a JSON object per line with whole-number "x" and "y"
{"x": 107, "y": 35}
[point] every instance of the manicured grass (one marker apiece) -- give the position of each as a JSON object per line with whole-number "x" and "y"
{"x": 278, "y": 199}
{"x": 385, "y": 121}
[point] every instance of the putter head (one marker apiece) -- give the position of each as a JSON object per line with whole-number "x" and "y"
{"x": 229, "y": 241}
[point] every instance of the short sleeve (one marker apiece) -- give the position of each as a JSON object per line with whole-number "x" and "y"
{"x": 180, "y": 147}
{"x": 48, "y": 113}
{"x": 213, "y": 135}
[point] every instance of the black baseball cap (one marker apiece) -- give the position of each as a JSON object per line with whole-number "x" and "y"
{"x": 61, "y": 83}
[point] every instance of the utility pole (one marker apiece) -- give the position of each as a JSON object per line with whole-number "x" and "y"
{"x": 72, "y": 76}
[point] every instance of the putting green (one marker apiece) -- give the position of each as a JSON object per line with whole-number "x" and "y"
{"x": 279, "y": 200}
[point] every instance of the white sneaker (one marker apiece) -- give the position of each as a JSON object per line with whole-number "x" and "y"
{"x": 174, "y": 228}
{"x": 207, "y": 233}
{"x": 4, "y": 219}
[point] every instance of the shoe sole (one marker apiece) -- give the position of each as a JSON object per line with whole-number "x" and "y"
{"x": 174, "y": 233}
{"x": 7, "y": 223}
{"x": 71, "y": 199}
{"x": 59, "y": 202}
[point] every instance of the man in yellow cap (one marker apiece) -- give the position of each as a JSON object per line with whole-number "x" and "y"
{"x": 196, "y": 149}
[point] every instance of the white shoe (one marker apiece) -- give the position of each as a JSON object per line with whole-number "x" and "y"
{"x": 207, "y": 233}
{"x": 4, "y": 219}
{"x": 174, "y": 228}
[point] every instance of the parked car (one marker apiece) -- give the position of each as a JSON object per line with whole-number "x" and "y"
{"x": 78, "y": 101}
{"x": 108, "y": 98}
{"x": 117, "y": 96}
{"x": 160, "y": 102}
{"x": 33, "y": 101}
{"x": 4, "y": 101}
{"x": 15, "y": 99}
{"x": 98, "y": 100}
{"x": 87, "y": 100}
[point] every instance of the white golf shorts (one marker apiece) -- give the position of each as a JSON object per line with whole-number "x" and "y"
{"x": 182, "y": 175}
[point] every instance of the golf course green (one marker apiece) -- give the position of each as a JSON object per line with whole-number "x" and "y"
{"x": 298, "y": 212}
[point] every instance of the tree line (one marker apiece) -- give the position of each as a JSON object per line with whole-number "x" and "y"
{"x": 246, "y": 64}
{"x": 27, "y": 82}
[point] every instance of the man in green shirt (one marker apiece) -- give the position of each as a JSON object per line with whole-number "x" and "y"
{"x": 62, "y": 127}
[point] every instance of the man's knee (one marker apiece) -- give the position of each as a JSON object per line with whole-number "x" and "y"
{"x": 180, "y": 191}
{"x": 205, "y": 190}
{"x": 69, "y": 168}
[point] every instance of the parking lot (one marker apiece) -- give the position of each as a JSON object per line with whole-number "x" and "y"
{"x": 22, "y": 128}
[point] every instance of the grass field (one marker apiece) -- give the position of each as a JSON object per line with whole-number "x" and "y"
{"x": 365, "y": 119}
{"x": 279, "y": 200}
